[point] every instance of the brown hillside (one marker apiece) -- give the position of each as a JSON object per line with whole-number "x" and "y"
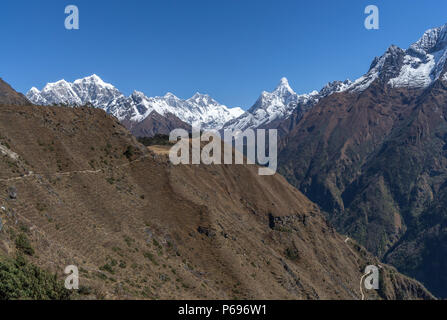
{"x": 84, "y": 192}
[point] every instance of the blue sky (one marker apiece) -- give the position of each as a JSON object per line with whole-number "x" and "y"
{"x": 230, "y": 49}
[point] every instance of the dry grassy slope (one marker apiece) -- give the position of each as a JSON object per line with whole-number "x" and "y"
{"x": 138, "y": 227}
{"x": 154, "y": 124}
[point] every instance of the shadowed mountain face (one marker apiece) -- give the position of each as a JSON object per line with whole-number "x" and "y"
{"x": 155, "y": 124}
{"x": 77, "y": 189}
{"x": 376, "y": 161}
{"x": 9, "y": 96}
{"x": 374, "y": 157}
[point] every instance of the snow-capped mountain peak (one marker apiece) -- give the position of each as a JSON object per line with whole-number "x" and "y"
{"x": 34, "y": 96}
{"x": 432, "y": 40}
{"x": 281, "y": 103}
{"x": 334, "y": 86}
{"x": 203, "y": 100}
{"x": 284, "y": 87}
{"x": 59, "y": 92}
{"x": 137, "y": 94}
{"x": 280, "y": 98}
{"x": 270, "y": 106}
{"x": 170, "y": 95}
{"x": 417, "y": 67}
{"x": 135, "y": 108}
{"x": 93, "y": 79}
{"x": 200, "y": 98}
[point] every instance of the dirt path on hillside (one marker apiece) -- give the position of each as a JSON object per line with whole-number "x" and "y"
{"x": 31, "y": 174}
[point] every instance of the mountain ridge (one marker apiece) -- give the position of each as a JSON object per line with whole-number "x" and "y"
{"x": 416, "y": 67}
{"x": 200, "y": 108}
{"x": 373, "y": 157}
{"x": 9, "y": 96}
{"x": 273, "y": 107}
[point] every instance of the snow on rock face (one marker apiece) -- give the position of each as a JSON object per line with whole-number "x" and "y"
{"x": 417, "y": 67}
{"x": 34, "y": 95}
{"x": 93, "y": 90}
{"x": 280, "y": 104}
{"x": 198, "y": 109}
{"x": 88, "y": 90}
{"x": 335, "y": 86}
{"x": 415, "y": 72}
{"x": 60, "y": 92}
{"x": 432, "y": 40}
{"x": 384, "y": 67}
